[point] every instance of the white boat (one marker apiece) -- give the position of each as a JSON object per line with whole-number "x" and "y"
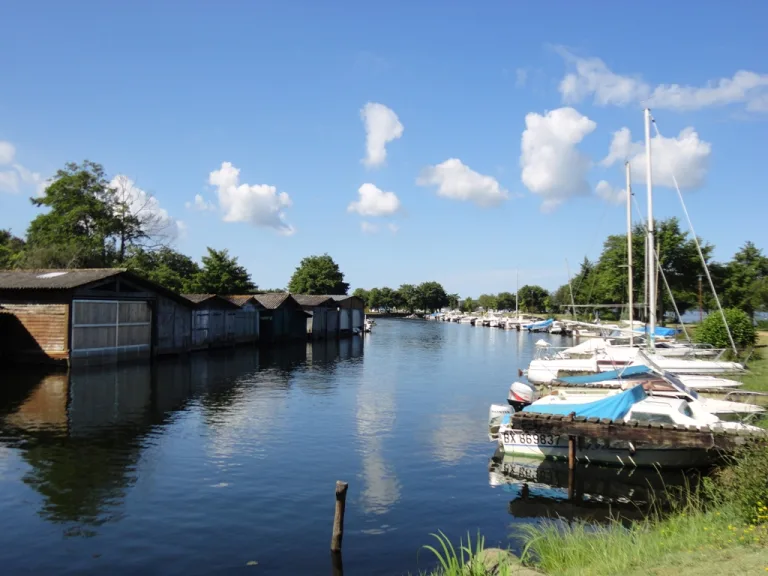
{"x": 467, "y": 320}
{"x": 368, "y": 325}
{"x": 557, "y": 328}
{"x": 635, "y": 405}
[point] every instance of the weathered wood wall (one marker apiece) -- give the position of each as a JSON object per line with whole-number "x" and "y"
{"x": 35, "y": 331}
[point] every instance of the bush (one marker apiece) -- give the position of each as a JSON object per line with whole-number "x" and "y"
{"x": 712, "y": 330}
{"x": 745, "y": 485}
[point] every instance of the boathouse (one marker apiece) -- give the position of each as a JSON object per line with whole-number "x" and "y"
{"x": 351, "y": 314}
{"x": 246, "y": 317}
{"x": 282, "y": 318}
{"x": 213, "y": 321}
{"x": 89, "y": 316}
{"x": 324, "y": 315}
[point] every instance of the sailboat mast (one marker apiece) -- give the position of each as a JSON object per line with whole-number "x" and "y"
{"x": 651, "y": 271}
{"x": 517, "y": 289}
{"x": 629, "y": 258}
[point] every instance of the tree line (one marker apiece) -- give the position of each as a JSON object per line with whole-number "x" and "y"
{"x": 426, "y": 297}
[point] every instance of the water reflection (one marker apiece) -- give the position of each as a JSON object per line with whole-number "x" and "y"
{"x": 546, "y": 488}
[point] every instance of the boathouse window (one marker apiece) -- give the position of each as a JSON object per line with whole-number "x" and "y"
{"x": 650, "y": 417}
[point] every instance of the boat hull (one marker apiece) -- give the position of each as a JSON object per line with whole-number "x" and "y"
{"x": 615, "y": 453}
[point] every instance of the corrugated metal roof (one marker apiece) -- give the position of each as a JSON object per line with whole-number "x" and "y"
{"x": 198, "y": 298}
{"x": 273, "y": 300}
{"x": 240, "y": 299}
{"x": 53, "y": 279}
{"x": 312, "y": 299}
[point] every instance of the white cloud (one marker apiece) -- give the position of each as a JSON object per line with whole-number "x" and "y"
{"x": 607, "y": 192}
{"x": 154, "y": 218}
{"x": 374, "y": 202}
{"x": 552, "y": 166}
{"x": 521, "y": 77}
{"x": 200, "y": 204}
{"x": 9, "y": 181}
{"x": 257, "y": 204}
{"x": 456, "y": 180}
{"x": 393, "y": 227}
{"x": 593, "y": 78}
{"x": 687, "y": 156}
{"x": 7, "y": 152}
{"x": 368, "y": 227}
{"x": 381, "y": 127}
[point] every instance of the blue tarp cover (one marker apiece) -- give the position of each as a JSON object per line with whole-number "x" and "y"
{"x": 543, "y": 324}
{"x": 660, "y": 331}
{"x": 603, "y": 376}
{"x": 612, "y": 407}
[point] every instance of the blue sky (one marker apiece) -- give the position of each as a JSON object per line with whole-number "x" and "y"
{"x": 166, "y": 93}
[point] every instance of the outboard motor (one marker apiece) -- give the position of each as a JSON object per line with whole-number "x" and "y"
{"x": 521, "y": 394}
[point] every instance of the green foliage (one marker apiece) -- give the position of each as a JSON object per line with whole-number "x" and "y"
{"x": 221, "y": 274}
{"x": 746, "y": 285}
{"x": 744, "y": 484}
{"x": 363, "y": 294}
{"x": 431, "y": 296}
{"x": 487, "y": 301}
{"x": 11, "y": 249}
{"x": 453, "y": 301}
{"x": 464, "y": 561}
{"x": 409, "y": 297}
{"x": 165, "y": 266}
{"x": 505, "y": 301}
{"x": 318, "y": 275}
{"x": 533, "y": 299}
{"x": 469, "y": 304}
{"x": 712, "y": 330}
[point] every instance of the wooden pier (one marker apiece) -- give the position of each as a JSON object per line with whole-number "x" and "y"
{"x": 577, "y": 428}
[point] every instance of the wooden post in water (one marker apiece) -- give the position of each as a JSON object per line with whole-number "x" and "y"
{"x": 338, "y": 517}
{"x": 571, "y": 452}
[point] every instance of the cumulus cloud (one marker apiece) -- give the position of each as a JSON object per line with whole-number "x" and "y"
{"x": 16, "y": 176}
{"x": 200, "y": 204}
{"x": 552, "y": 166}
{"x": 374, "y": 202}
{"x": 592, "y": 78}
{"x": 610, "y": 194}
{"x": 256, "y": 204}
{"x": 368, "y": 227}
{"x": 456, "y": 180}
{"x": 381, "y": 127}
{"x": 686, "y": 156}
{"x": 7, "y": 152}
{"x": 146, "y": 208}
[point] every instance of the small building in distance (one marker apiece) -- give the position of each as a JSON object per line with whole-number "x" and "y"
{"x": 282, "y": 318}
{"x": 89, "y": 316}
{"x": 247, "y": 317}
{"x": 213, "y": 321}
{"x": 351, "y": 314}
{"x": 324, "y": 315}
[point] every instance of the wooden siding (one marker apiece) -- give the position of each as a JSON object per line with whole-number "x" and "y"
{"x": 35, "y": 331}
{"x": 357, "y": 319}
{"x": 173, "y": 328}
{"x": 345, "y": 320}
{"x": 111, "y": 328}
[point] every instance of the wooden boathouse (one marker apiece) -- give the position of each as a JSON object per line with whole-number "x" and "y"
{"x": 351, "y": 314}
{"x": 324, "y": 315}
{"x": 213, "y": 321}
{"x": 282, "y": 318}
{"x": 89, "y": 316}
{"x": 246, "y": 317}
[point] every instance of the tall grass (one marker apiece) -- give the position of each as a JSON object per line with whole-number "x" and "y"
{"x": 462, "y": 561}
{"x": 728, "y": 512}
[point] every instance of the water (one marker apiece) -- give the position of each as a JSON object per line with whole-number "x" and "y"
{"x": 202, "y": 465}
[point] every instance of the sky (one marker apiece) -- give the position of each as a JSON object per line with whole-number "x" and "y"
{"x": 467, "y": 143}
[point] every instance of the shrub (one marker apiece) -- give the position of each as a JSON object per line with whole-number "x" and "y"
{"x": 745, "y": 485}
{"x": 712, "y": 330}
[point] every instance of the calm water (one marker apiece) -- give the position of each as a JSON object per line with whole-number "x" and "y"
{"x": 202, "y": 465}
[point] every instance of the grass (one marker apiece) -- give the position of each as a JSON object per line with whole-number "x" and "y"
{"x": 757, "y": 377}
{"x": 462, "y": 561}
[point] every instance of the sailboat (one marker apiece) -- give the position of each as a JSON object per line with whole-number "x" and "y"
{"x": 544, "y": 370}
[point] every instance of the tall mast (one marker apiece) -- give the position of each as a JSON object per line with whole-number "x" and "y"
{"x": 651, "y": 271}
{"x": 629, "y": 258}
{"x": 517, "y": 289}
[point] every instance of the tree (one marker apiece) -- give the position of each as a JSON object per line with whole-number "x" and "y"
{"x": 533, "y": 298}
{"x": 487, "y": 301}
{"x": 712, "y": 330}
{"x": 76, "y": 230}
{"x": 408, "y": 297}
{"x": 745, "y": 273}
{"x": 165, "y": 266}
{"x": 453, "y": 301}
{"x": 11, "y": 249}
{"x": 432, "y": 296}
{"x": 505, "y": 301}
{"x": 389, "y": 299}
{"x": 468, "y": 305}
{"x": 221, "y": 274}
{"x": 364, "y": 295}
{"x": 318, "y": 275}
